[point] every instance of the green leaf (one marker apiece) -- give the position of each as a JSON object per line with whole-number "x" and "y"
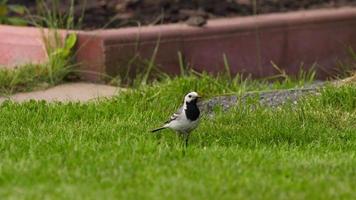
{"x": 3, "y": 10}
{"x": 57, "y": 52}
{"x": 16, "y": 21}
{"x": 3, "y": 2}
{"x": 70, "y": 41}
{"x": 17, "y": 9}
{"x": 65, "y": 53}
{"x": 60, "y": 53}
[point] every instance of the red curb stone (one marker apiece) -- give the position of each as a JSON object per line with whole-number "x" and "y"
{"x": 291, "y": 40}
{"x": 23, "y": 45}
{"x": 20, "y": 46}
{"x": 91, "y": 56}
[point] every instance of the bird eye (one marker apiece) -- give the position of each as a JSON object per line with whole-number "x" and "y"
{"x": 190, "y": 96}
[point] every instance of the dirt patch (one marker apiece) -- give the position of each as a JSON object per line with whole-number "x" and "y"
{"x": 121, "y": 13}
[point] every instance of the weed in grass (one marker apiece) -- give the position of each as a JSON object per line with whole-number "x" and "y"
{"x": 59, "y": 50}
{"x": 227, "y": 67}
{"x": 50, "y": 16}
{"x": 182, "y": 65}
{"x": 59, "y": 60}
{"x": 151, "y": 63}
{"x": 22, "y": 79}
{"x": 343, "y": 99}
{"x": 303, "y": 77}
{"x": 347, "y": 68}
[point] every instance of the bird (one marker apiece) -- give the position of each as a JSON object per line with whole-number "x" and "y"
{"x": 186, "y": 119}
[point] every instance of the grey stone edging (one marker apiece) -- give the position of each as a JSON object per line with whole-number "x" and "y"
{"x": 273, "y": 98}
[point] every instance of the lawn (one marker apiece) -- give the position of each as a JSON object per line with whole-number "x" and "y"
{"x": 104, "y": 150}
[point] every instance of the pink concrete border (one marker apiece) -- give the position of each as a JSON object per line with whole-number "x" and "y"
{"x": 20, "y": 45}
{"x": 249, "y": 43}
{"x": 23, "y": 45}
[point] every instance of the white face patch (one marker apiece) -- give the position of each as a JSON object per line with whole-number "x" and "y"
{"x": 191, "y": 96}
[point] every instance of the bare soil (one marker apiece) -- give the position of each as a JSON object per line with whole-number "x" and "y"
{"x": 121, "y": 13}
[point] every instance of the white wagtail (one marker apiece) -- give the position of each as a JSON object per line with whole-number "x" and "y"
{"x": 186, "y": 118}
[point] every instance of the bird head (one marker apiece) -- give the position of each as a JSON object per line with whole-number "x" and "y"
{"x": 191, "y": 97}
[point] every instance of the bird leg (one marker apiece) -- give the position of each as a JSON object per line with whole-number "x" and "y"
{"x": 186, "y": 138}
{"x": 183, "y": 135}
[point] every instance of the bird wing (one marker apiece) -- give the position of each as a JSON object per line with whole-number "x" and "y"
{"x": 175, "y": 115}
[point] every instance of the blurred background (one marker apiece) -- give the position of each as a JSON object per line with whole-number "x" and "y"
{"x": 119, "y": 13}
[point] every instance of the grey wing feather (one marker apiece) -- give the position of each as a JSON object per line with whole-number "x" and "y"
{"x": 175, "y": 115}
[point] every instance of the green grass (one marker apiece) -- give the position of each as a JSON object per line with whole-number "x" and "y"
{"x": 31, "y": 77}
{"x": 24, "y": 78}
{"x": 105, "y": 151}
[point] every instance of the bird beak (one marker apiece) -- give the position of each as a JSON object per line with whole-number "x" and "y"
{"x": 199, "y": 97}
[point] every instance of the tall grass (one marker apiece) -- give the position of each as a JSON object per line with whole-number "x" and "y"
{"x": 24, "y": 78}
{"x": 346, "y": 68}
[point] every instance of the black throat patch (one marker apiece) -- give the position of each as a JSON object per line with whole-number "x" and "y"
{"x": 192, "y": 112}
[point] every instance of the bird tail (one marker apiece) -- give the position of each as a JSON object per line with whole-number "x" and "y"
{"x": 157, "y": 129}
